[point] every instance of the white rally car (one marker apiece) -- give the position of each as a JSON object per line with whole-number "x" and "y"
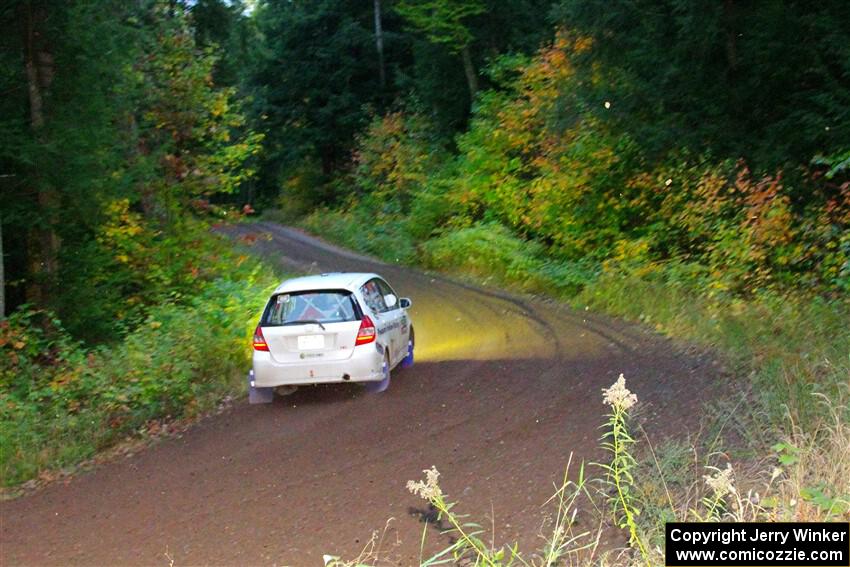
{"x": 339, "y": 327}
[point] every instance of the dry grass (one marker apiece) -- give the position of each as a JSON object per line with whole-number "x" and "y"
{"x": 807, "y": 478}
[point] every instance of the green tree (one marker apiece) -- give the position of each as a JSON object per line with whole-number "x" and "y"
{"x": 191, "y": 133}
{"x": 444, "y": 22}
{"x": 64, "y": 75}
{"x": 766, "y": 80}
{"x": 315, "y": 76}
{"x": 225, "y": 27}
{"x": 106, "y": 102}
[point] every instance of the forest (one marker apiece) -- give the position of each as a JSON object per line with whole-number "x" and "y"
{"x": 707, "y": 143}
{"x": 679, "y": 163}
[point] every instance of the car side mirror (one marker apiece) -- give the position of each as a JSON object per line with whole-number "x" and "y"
{"x": 390, "y": 300}
{"x": 405, "y": 302}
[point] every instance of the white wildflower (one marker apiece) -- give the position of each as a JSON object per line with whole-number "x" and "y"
{"x": 558, "y": 533}
{"x": 721, "y": 482}
{"x": 618, "y": 396}
{"x": 428, "y": 490}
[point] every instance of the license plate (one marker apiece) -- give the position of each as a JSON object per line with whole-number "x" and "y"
{"x": 311, "y": 342}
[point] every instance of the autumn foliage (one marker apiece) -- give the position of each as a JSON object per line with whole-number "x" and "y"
{"x": 536, "y": 166}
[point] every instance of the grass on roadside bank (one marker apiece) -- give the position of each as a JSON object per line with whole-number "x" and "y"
{"x": 792, "y": 346}
{"x": 791, "y": 421}
{"x": 613, "y": 494}
{"x": 62, "y": 402}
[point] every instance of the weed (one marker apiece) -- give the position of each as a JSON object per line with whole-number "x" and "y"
{"x": 804, "y": 484}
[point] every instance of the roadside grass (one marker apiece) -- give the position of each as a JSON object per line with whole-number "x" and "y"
{"x": 62, "y": 403}
{"x": 489, "y": 253}
{"x": 792, "y": 346}
{"x": 792, "y": 353}
{"x": 486, "y": 253}
{"x": 373, "y": 234}
{"x": 639, "y": 495}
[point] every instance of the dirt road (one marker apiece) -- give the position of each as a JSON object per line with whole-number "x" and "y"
{"x": 503, "y": 389}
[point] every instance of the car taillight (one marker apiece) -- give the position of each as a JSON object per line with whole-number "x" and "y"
{"x": 260, "y": 340}
{"x": 366, "y": 334}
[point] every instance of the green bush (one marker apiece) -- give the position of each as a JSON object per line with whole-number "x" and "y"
{"x": 487, "y": 251}
{"x": 61, "y": 401}
{"x": 490, "y": 252}
{"x": 360, "y": 227}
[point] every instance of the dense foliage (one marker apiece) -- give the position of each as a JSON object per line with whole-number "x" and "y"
{"x": 113, "y": 131}
{"x": 120, "y": 308}
{"x": 553, "y": 188}
{"x": 61, "y": 401}
{"x": 325, "y": 66}
{"x": 710, "y": 139}
{"x": 766, "y": 80}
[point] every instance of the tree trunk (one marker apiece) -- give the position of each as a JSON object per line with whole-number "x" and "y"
{"x": 379, "y": 44}
{"x": 2, "y": 276}
{"x": 730, "y": 25}
{"x": 43, "y": 242}
{"x": 729, "y": 20}
{"x": 471, "y": 75}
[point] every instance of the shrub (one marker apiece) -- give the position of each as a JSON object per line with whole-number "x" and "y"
{"x": 490, "y": 252}
{"x": 372, "y": 232}
{"x": 394, "y": 157}
{"x": 61, "y": 401}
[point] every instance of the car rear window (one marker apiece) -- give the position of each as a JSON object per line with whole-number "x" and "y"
{"x": 310, "y": 306}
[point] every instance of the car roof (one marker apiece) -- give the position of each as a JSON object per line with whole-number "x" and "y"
{"x": 350, "y": 281}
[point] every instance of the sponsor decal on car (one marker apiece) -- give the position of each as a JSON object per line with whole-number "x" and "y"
{"x": 390, "y": 326}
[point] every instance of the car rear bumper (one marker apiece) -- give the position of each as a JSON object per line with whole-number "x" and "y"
{"x": 364, "y": 365}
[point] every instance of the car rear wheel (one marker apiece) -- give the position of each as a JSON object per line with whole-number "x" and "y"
{"x": 384, "y": 383}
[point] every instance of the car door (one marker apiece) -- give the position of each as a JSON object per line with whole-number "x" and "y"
{"x": 374, "y": 300}
{"x": 394, "y": 320}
